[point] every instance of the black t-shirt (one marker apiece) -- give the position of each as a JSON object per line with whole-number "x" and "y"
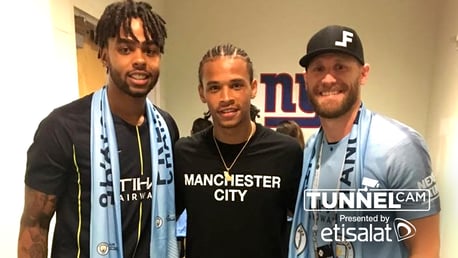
{"x": 245, "y": 217}
{"x": 58, "y": 163}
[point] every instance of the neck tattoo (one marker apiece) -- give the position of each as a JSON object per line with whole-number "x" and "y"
{"x": 227, "y": 174}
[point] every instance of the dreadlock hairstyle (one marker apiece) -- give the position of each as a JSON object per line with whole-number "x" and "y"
{"x": 207, "y": 114}
{"x": 226, "y": 50}
{"x": 120, "y": 14}
{"x": 201, "y": 123}
{"x": 254, "y": 112}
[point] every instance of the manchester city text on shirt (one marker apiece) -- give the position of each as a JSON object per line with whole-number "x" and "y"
{"x": 232, "y": 191}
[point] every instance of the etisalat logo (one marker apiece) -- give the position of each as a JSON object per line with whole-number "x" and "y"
{"x": 362, "y": 201}
{"x": 344, "y": 247}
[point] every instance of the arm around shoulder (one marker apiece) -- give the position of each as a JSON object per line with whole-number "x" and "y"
{"x": 33, "y": 234}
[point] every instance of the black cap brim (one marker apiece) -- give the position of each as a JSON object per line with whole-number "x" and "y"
{"x": 305, "y": 60}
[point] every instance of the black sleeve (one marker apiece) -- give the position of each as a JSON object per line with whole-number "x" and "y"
{"x": 179, "y": 180}
{"x": 295, "y": 178}
{"x": 48, "y": 157}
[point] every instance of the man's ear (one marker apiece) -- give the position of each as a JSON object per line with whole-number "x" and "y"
{"x": 364, "y": 74}
{"x": 254, "y": 88}
{"x": 200, "y": 88}
{"x": 103, "y": 56}
{"x": 305, "y": 78}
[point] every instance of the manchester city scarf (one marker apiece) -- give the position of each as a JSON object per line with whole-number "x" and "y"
{"x": 300, "y": 243}
{"x": 106, "y": 226}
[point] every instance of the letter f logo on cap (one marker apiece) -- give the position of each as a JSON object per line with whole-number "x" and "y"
{"x": 346, "y": 37}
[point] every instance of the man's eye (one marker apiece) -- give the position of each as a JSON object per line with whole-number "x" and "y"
{"x": 339, "y": 67}
{"x": 124, "y": 50}
{"x": 316, "y": 69}
{"x": 237, "y": 85}
{"x": 152, "y": 52}
{"x": 213, "y": 88}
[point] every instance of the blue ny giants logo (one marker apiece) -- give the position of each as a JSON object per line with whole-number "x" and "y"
{"x": 300, "y": 110}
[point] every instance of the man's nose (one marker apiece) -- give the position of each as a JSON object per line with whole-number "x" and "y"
{"x": 139, "y": 59}
{"x": 225, "y": 93}
{"x": 328, "y": 78}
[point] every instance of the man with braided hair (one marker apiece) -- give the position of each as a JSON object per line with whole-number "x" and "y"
{"x": 103, "y": 163}
{"x": 236, "y": 179}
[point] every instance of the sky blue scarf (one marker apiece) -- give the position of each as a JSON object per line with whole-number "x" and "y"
{"x": 301, "y": 241}
{"x": 106, "y": 226}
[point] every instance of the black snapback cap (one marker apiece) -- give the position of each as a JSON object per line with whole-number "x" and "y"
{"x": 334, "y": 38}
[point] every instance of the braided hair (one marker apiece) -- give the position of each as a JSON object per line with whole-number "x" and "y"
{"x": 254, "y": 112}
{"x": 120, "y": 14}
{"x": 225, "y": 50}
{"x": 201, "y": 123}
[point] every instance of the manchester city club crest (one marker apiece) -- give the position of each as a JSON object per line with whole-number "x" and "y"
{"x": 103, "y": 248}
{"x": 158, "y": 222}
{"x": 300, "y": 239}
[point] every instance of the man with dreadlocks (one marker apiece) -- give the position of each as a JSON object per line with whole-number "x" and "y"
{"x": 236, "y": 179}
{"x": 103, "y": 163}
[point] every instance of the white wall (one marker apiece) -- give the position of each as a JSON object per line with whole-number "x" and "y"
{"x": 35, "y": 79}
{"x": 443, "y": 121}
